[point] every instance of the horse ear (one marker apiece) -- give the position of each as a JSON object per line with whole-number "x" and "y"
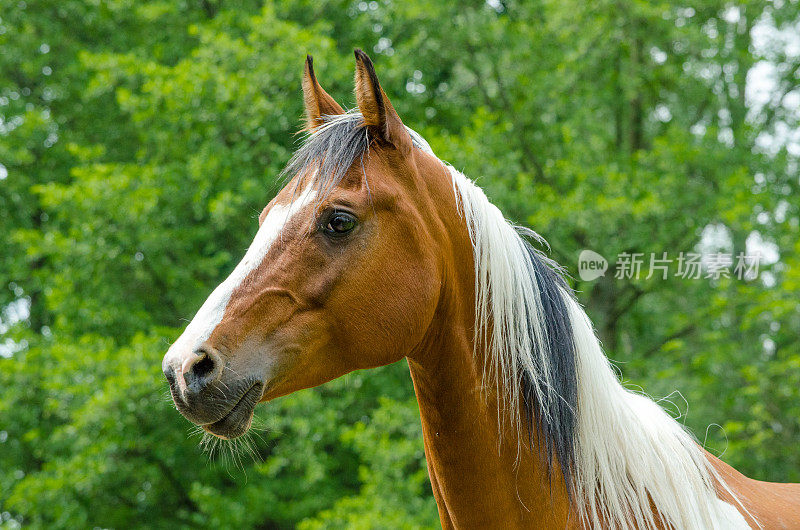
{"x": 375, "y": 106}
{"x": 318, "y": 103}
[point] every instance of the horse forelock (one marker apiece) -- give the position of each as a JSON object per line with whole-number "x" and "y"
{"x": 328, "y": 151}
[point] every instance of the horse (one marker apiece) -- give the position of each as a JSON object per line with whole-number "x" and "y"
{"x": 375, "y": 250}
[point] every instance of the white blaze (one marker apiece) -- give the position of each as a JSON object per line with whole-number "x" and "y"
{"x": 211, "y": 312}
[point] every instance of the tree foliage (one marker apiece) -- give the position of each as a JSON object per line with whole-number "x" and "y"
{"x": 139, "y": 141}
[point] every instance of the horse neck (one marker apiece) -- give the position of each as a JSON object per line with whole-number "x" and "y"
{"x": 479, "y": 474}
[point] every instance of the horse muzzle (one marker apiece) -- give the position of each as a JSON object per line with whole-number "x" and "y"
{"x": 221, "y": 405}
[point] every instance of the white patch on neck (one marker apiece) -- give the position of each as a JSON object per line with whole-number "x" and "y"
{"x": 729, "y": 517}
{"x": 211, "y": 312}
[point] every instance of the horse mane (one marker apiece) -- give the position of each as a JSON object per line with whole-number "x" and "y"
{"x": 625, "y": 462}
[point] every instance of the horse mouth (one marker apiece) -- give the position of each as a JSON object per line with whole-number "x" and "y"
{"x": 236, "y": 422}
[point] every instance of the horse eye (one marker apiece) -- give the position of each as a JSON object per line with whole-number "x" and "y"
{"x": 340, "y": 223}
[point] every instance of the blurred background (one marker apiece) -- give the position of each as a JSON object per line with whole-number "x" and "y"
{"x": 139, "y": 140}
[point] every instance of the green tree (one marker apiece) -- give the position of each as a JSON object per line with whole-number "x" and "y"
{"x": 140, "y": 140}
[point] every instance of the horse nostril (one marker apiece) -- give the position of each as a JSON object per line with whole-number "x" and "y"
{"x": 202, "y": 370}
{"x": 203, "y": 367}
